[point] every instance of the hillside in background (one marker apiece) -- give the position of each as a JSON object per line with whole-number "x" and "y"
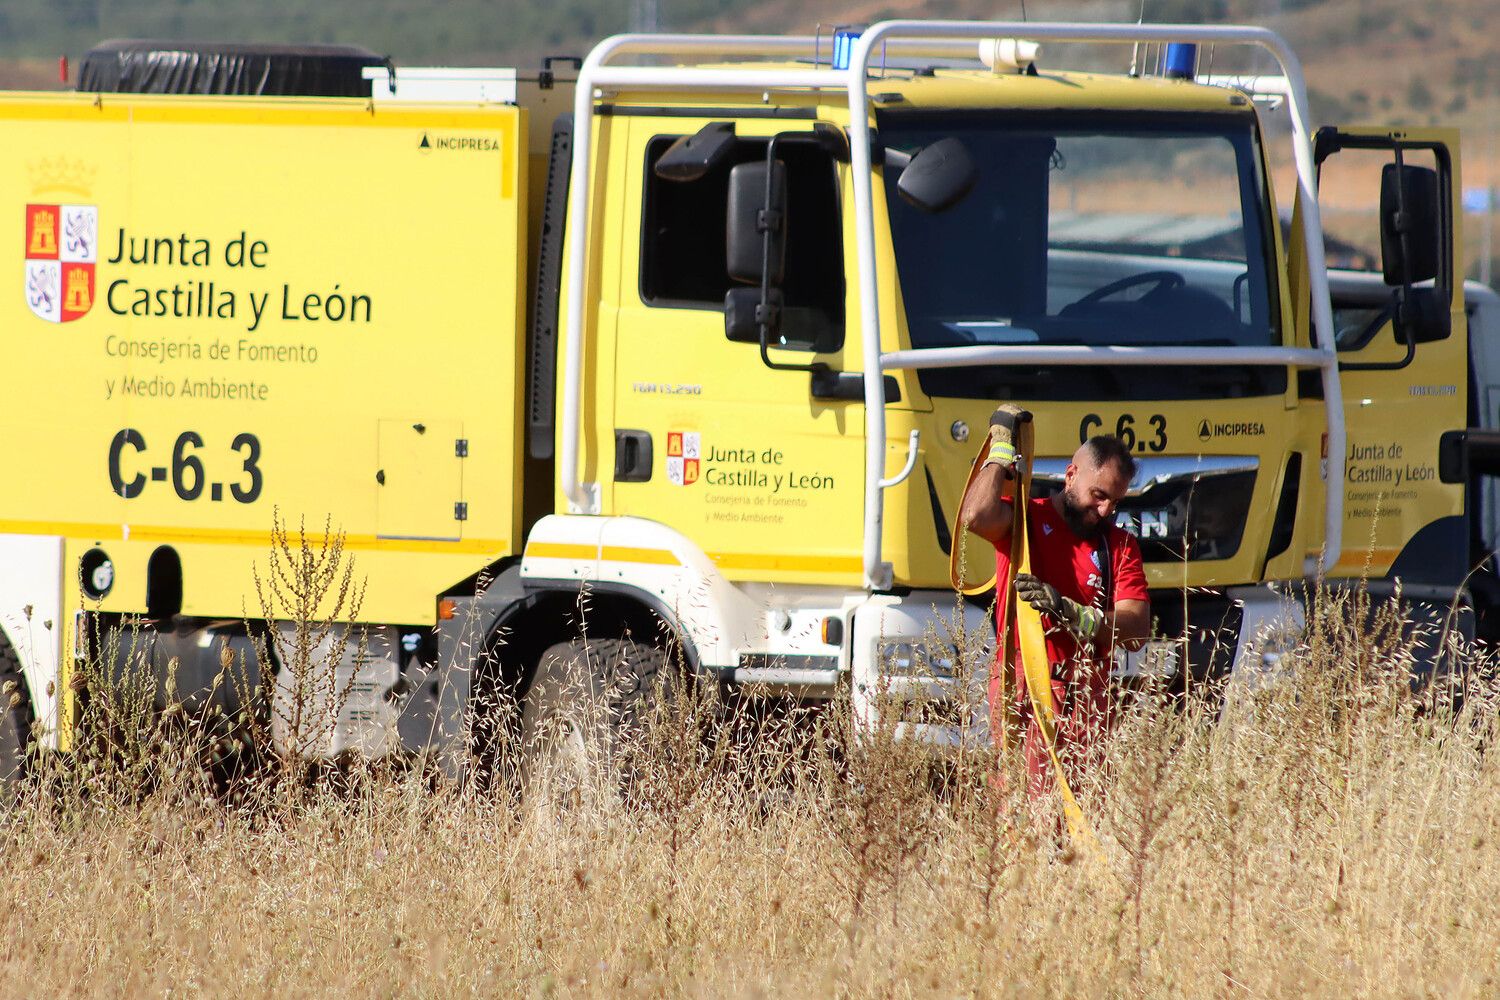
{"x": 1387, "y": 61}
{"x": 454, "y": 31}
{"x": 1364, "y": 58}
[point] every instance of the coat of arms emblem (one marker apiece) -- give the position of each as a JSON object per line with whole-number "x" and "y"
{"x": 682, "y": 457}
{"x": 62, "y": 249}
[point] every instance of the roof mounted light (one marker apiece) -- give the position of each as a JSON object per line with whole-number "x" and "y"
{"x": 1001, "y": 54}
{"x": 843, "y": 46}
{"x": 1181, "y": 61}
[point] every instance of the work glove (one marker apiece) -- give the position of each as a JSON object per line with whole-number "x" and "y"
{"x": 1003, "y": 423}
{"x": 1079, "y": 619}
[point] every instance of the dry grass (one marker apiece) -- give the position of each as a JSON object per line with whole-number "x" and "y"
{"x": 1333, "y": 837}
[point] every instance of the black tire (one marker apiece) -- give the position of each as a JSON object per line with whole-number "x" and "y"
{"x": 584, "y": 706}
{"x": 16, "y": 717}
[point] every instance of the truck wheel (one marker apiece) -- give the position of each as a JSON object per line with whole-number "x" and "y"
{"x": 15, "y": 720}
{"x": 585, "y": 703}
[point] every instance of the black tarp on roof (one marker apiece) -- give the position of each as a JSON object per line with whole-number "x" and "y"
{"x": 147, "y": 67}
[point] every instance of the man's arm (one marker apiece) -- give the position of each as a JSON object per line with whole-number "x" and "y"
{"x": 984, "y": 511}
{"x": 1131, "y": 624}
{"x": 1131, "y": 616}
{"x": 1127, "y": 624}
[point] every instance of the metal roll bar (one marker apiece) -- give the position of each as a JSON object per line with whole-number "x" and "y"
{"x": 904, "y": 38}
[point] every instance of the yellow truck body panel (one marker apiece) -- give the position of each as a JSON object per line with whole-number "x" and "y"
{"x": 236, "y": 309}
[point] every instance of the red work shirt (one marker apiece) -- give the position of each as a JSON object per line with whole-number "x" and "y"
{"x": 1073, "y": 566}
{"x": 1080, "y": 684}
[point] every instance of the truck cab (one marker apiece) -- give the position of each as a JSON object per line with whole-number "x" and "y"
{"x": 788, "y": 354}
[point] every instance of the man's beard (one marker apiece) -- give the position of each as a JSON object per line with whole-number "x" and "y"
{"x": 1079, "y": 518}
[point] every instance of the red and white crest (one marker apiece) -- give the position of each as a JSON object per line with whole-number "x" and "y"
{"x": 62, "y": 250}
{"x": 682, "y": 457}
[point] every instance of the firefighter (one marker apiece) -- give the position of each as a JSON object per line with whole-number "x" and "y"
{"x": 1087, "y": 581}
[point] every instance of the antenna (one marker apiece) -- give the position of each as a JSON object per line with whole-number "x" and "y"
{"x": 644, "y": 16}
{"x": 1135, "y": 50}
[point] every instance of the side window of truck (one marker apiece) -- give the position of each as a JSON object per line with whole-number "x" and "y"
{"x": 683, "y": 263}
{"x": 1349, "y": 193}
{"x": 1349, "y": 202}
{"x": 1356, "y": 325}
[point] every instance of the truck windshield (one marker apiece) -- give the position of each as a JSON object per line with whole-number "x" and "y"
{"x": 1089, "y": 229}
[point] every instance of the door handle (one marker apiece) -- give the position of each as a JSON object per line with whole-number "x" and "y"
{"x": 632, "y": 456}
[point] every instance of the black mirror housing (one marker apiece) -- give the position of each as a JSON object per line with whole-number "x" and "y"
{"x": 749, "y": 219}
{"x": 743, "y": 312}
{"x": 1424, "y": 318}
{"x": 1468, "y": 454}
{"x": 1410, "y": 206}
{"x": 938, "y": 177}
{"x": 693, "y": 156}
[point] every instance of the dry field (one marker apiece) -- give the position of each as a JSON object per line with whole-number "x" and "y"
{"x": 1332, "y": 837}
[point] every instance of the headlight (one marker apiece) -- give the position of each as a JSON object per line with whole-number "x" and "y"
{"x": 1278, "y": 646}
{"x": 96, "y": 574}
{"x": 915, "y": 658}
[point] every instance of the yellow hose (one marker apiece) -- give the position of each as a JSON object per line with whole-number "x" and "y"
{"x": 1023, "y": 626}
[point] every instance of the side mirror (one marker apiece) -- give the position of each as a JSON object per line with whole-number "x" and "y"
{"x": 1411, "y": 220}
{"x": 693, "y": 156}
{"x": 1465, "y": 455}
{"x": 743, "y": 314}
{"x": 756, "y": 217}
{"x": 938, "y": 177}
{"x": 1423, "y": 317}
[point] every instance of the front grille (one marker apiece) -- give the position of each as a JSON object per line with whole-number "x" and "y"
{"x": 1186, "y": 515}
{"x": 1212, "y": 623}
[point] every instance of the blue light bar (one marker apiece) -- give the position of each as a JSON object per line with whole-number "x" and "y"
{"x": 1181, "y": 61}
{"x": 843, "y": 46}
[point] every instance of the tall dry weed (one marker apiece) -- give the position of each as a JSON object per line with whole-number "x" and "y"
{"x": 1328, "y": 833}
{"x": 311, "y": 585}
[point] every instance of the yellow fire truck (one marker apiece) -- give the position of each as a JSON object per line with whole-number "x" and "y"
{"x": 709, "y": 326}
